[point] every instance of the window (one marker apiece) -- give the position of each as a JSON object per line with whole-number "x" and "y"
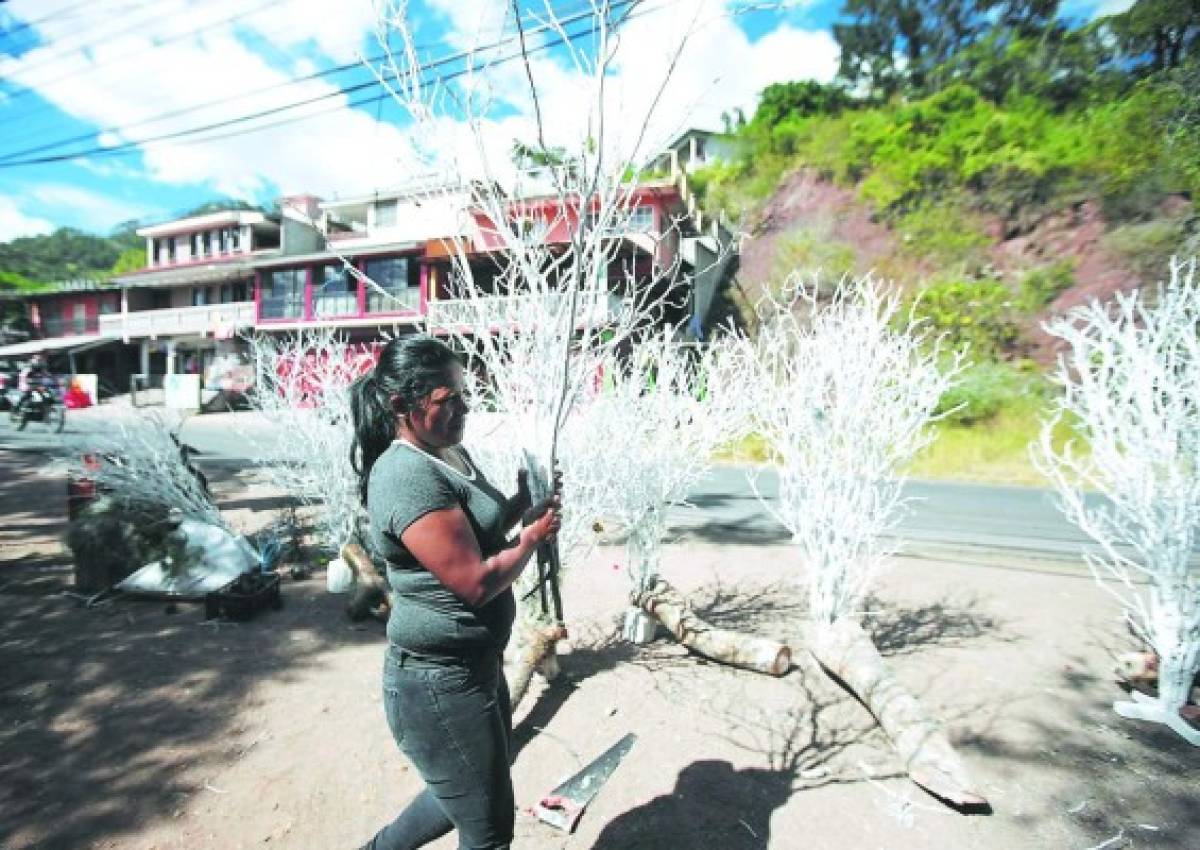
{"x": 171, "y": 249}
{"x": 235, "y": 239}
{"x": 641, "y": 219}
{"x": 239, "y": 291}
{"x": 108, "y": 306}
{"x": 398, "y": 279}
{"x": 335, "y": 291}
{"x": 206, "y": 242}
{"x": 223, "y": 239}
{"x": 79, "y": 316}
{"x": 202, "y": 296}
{"x": 385, "y": 213}
{"x": 283, "y": 294}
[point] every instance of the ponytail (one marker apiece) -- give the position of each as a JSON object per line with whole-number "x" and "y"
{"x": 408, "y": 370}
{"x": 374, "y": 428}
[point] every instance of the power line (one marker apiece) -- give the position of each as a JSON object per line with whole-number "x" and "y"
{"x": 175, "y": 113}
{"x": 61, "y": 14}
{"x": 129, "y": 146}
{"x": 113, "y": 60}
{"x": 99, "y": 38}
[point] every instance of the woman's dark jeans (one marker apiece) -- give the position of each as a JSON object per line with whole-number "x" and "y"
{"x": 454, "y": 723}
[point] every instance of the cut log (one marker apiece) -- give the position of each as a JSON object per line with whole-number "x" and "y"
{"x": 371, "y": 593}
{"x": 538, "y": 654}
{"x": 846, "y": 652}
{"x": 738, "y": 649}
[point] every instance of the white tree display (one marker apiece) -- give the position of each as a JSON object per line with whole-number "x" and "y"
{"x": 661, "y": 413}
{"x": 845, "y": 388}
{"x": 1130, "y": 378}
{"x": 142, "y": 464}
{"x": 302, "y": 385}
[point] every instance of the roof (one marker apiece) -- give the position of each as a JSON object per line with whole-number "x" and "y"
{"x": 62, "y": 343}
{"x": 689, "y": 133}
{"x": 202, "y": 222}
{"x": 233, "y": 268}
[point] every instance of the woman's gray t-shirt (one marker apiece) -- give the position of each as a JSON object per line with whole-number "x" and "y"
{"x": 427, "y": 618}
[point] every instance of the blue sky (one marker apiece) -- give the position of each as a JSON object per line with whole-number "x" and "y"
{"x": 126, "y": 72}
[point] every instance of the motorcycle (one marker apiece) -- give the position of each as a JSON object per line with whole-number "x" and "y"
{"x": 42, "y": 404}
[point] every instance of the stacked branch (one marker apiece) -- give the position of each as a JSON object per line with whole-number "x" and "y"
{"x": 845, "y": 390}
{"x": 1130, "y": 379}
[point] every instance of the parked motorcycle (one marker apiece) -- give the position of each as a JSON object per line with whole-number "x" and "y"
{"x": 41, "y": 405}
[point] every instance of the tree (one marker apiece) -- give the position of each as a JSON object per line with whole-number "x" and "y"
{"x": 1130, "y": 378}
{"x": 843, "y": 390}
{"x": 898, "y": 46}
{"x": 1158, "y": 34}
{"x": 130, "y": 260}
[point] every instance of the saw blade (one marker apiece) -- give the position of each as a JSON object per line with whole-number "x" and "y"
{"x": 563, "y": 806}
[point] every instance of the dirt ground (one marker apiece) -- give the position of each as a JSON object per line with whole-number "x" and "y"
{"x": 128, "y": 726}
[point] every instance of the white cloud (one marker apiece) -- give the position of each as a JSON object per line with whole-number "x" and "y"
{"x": 346, "y": 151}
{"x": 91, "y": 210}
{"x": 15, "y": 223}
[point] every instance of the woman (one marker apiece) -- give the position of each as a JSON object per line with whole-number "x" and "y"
{"x": 443, "y": 530}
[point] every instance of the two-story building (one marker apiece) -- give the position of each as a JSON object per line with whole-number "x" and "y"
{"x": 196, "y": 295}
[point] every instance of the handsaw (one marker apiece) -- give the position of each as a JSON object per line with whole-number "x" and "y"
{"x": 563, "y": 807}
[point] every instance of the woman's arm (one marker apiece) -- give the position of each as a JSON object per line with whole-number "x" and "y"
{"x": 443, "y": 542}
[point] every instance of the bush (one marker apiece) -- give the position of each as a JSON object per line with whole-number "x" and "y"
{"x": 986, "y": 388}
{"x": 946, "y": 233}
{"x": 972, "y": 314}
{"x": 1146, "y": 248}
{"x": 1042, "y": 285}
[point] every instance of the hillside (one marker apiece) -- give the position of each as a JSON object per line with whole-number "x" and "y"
{"x": 1026, "y": 169}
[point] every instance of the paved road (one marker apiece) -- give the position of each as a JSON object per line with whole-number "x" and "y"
{"x": 965, "y": 520}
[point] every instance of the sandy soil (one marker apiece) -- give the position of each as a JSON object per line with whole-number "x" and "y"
{"x": 127, "y": 726}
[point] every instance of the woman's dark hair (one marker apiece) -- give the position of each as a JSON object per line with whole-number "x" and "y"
{"x": 409, "y": 369}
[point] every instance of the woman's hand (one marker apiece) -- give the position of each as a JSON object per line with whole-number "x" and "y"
{"x": 544, "y": 519}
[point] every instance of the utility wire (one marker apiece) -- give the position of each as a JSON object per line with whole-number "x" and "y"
{"x": 219, "y": 101}
{"x": 130, "y": 146}
{"x": 29, "y": 88}
{"x": 61, "y": 14}
{"x": 96, "y": 39}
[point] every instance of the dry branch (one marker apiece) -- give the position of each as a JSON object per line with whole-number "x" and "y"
{"x": 738, "y": 649}
{"x": 846, "y": 651}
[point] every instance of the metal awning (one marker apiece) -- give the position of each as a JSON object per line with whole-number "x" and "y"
{"x": 62, "y": 343}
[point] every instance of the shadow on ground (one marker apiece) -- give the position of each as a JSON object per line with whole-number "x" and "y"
{"x": 98, "y": 704}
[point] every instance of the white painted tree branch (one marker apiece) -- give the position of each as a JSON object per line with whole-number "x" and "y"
{"x": 1130, "y": 379}
{"x": 844, "y": 391}
{"x": 303, "y": 381}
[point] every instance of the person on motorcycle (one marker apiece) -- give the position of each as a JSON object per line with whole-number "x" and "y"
{"x": 32, "y": 377}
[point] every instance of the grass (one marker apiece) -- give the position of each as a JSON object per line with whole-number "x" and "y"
{"x": 992, "y": 451}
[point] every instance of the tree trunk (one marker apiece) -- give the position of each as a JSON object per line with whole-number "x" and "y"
{"x": 665, "y": 604}
{"x": 538, "y": 654}
{"x": 371, "y": 593}
{"x": 844, "y": 650}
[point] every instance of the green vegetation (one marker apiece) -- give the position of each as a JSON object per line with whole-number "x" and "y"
{"x": 956, "y": 122}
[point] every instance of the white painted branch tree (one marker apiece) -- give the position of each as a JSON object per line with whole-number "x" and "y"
{"x": 143, "y": 465}
{"x": 670, "y": 407}
{"x": 845, "y": 392}
{"x": 552, "y": 271}
{"x": 1130, "y": 379}
{"x": 303, "y": 384}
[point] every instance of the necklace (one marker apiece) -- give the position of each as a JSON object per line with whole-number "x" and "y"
{"x": 470, "y": 468}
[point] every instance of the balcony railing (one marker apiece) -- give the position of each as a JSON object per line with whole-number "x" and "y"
{"x": 55, "y": 327}
{"x": 593, "y": 307}
{"x": 215, "y": 319}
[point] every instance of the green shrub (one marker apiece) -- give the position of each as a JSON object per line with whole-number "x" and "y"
{"x": 1146, "y": 248}
{"x": 947, "y": 233}
{"x": 987, "y": 387}
{"x": 1042, "y": 285}
{"x": 973, "y": 314}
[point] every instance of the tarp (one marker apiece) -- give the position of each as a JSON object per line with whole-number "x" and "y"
{"x": 212, "y": 558}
